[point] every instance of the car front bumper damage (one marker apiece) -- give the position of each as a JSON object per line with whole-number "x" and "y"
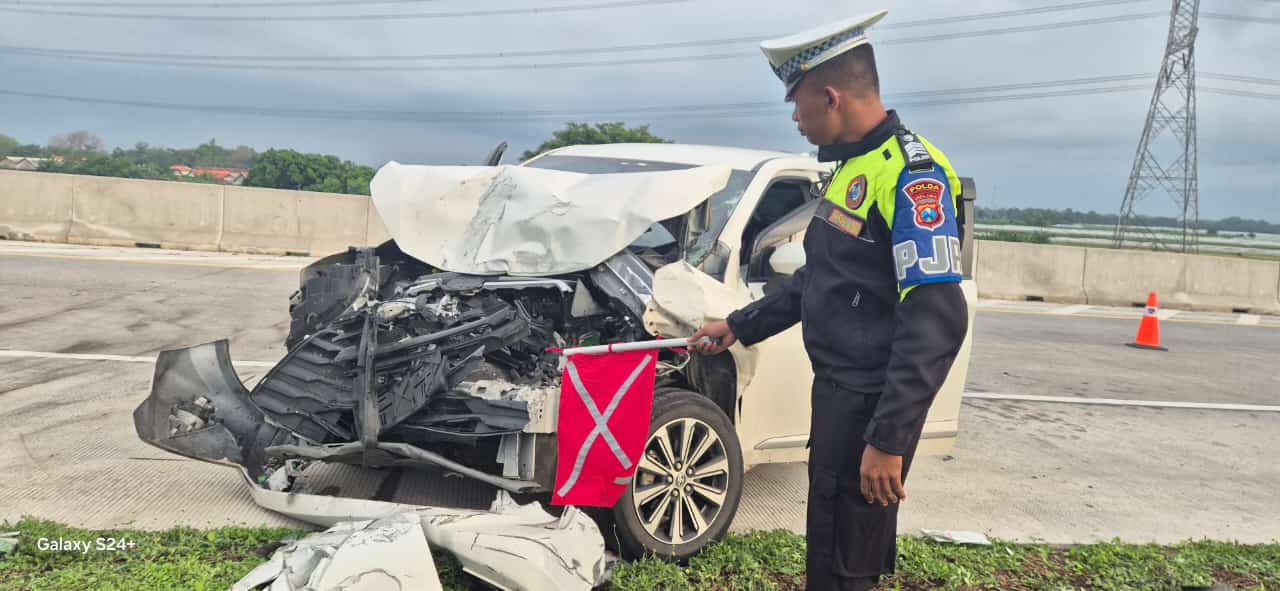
{"x": 199, "y": 408}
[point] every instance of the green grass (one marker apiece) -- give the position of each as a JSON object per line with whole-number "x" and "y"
{"x": 775, "y": 561}
{"x": 179, "y": 558}
{"x": 186, "y": 558}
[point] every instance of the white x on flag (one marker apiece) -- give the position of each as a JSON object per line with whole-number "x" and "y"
{"x": 600, "y": 420}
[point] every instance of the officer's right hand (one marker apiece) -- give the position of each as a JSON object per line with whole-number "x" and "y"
{"x": 721, "y": 338}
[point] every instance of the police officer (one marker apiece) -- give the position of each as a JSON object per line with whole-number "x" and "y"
{"x": 879, "y": 299}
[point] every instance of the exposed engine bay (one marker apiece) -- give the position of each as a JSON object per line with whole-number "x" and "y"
{"x": 393, "y": 362}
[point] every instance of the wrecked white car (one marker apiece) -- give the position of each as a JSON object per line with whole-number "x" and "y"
{"x": 431, "y": 350}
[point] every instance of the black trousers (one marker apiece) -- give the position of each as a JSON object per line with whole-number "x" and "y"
{"x": 851, "y": 543}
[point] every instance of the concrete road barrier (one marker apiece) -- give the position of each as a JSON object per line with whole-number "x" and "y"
{"x": 292, "y": 222}
{"x": 377, "y": 231}
{"x": 1223, "y": 283}
{"x": 100, "y": 210}
{"x": 127, "y": 212}
{"x": 1122, "y": 277}
{"x": 1011, "y": 270}
{"x": 35, "y": 206}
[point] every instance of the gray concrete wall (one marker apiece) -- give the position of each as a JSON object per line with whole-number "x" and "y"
{"x": 35, "y": 206}
{"x": 1010, "y": 270}
{"x": 1102, "y": 276}
{"x": 271, "y": 221}
{"x": 98, "y": 210}
{"x": 127, "y": 211}
{"x": 109, "y": 211}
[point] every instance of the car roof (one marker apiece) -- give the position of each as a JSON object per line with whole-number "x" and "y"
{"x": 691, "y": 154}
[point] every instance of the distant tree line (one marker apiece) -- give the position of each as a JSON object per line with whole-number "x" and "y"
{"x": 1053, "y": 217}
{"x": 614, "y": 132}
{"x": 81, "y": 152}
{"x": 287, "y": 169}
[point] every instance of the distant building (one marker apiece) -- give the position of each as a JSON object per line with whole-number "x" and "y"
{"x": 228, "y": 176}
{"x": 21, "y": 163}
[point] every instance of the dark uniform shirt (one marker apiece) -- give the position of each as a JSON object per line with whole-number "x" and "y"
{"x": 879, "y": 296}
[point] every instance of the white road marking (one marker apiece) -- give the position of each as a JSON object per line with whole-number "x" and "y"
{"x": 121, "y": 358}
{"x": 14, "y": 354}
{"x": 1128, "y": 314}
{"x": 1069, "y": 310}
{"x": 1119, "y": 402}
{"x": 1249, "y": 320}
{"x": 1164, "y": 314}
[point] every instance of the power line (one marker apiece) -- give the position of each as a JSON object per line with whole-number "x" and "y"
{"x": 359, "y": 58}
{"x": 946, "y": 20}
{"x": 551, "y": 52}
{"x": 605, "y": 49}
{"x": 1240, "y": 18}
{"x": 666, "y": 112}
{"x": 1027, "y": 28}
{"x": 1243, "y": 93}
{"x": 330, "y": 3}
{"x": 1027, "y": 96}
{"x": 208, "y": 61}
{"x": 348, "y": 17}
{"x": 1027, "y": 85}
{"x": 434, "y": 68}
{"x": 1237, "y": 78}
{"x": 213, "y": 5}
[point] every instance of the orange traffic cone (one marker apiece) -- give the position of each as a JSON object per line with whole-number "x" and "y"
{"x": 1149, "y": 330}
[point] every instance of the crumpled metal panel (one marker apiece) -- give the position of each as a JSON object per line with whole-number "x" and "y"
{"x": 521, "y": 547}
{"x": 510, "y": 546}
{"x": 626, "y": 277}
{"x": 388, "y": 554}
{"x": 199, "y": 408}
{"x": 487, "y": 220}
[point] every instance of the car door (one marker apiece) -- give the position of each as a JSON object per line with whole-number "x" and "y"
{"x": 774, "y": 407}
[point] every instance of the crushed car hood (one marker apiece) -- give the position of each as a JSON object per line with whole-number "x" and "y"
{"x": 492, "y": 220}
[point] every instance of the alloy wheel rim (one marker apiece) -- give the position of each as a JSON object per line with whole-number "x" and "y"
{"x": 681, "y": 482}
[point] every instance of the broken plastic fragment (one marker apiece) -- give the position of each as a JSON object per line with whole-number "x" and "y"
{"x": 511, "y": 546}
{"x": 8, "y": 541}
{"x": 956, "y": 536}
{"x": 281, "y": 479}
{"x": 389, "y": 553}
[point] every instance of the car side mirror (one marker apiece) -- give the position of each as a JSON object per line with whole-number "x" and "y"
{"x": 786, "y": 258}
{"x": 716, "y": 261}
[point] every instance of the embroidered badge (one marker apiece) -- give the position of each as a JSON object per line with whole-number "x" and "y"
{"x": 849, "y": 224}
{"x": 857, "y": 192}
{"x": 926, "y": 200}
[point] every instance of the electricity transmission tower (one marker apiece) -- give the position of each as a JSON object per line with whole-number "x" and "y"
{"x": 1169, "y": 136}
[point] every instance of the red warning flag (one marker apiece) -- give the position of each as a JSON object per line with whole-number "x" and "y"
{"x": 605, "y": 401}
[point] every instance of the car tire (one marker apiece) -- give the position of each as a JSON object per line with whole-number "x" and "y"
{"x": 712, "y": 486}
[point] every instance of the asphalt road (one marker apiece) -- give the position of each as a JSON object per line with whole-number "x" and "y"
{"x": 1024, "y": 470}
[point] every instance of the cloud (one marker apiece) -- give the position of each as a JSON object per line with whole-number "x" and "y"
{"x": 1056, "y": 152}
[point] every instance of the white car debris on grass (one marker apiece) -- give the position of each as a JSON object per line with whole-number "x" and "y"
{"x": 8, "y": 541}
{"x": 957, "y": 536}
{"x": 511, "y": 546}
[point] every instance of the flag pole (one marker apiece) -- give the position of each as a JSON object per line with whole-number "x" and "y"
{"x": 631, "y": 346}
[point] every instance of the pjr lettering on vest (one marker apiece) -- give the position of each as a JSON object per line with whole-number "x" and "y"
{"x": 945, "y": 259}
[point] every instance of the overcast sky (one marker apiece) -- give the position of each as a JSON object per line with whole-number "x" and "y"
{"x": 1053, "y": 152}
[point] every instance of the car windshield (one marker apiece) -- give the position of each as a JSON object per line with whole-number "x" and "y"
{"x": 660, "y": 235}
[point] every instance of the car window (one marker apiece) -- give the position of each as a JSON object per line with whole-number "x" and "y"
{"x": 721, "y": 203}
{"x": 655, "y": 236}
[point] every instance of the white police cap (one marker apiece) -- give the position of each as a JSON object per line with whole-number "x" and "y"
{"x": 794, "y": 55}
